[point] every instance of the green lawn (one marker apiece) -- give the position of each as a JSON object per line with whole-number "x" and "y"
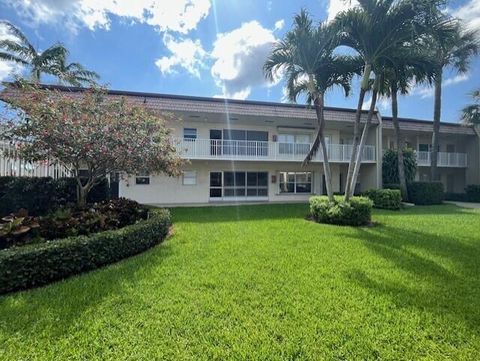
{"x": 261, "y": 282}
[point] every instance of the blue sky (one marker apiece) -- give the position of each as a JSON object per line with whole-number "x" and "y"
{"x": 201, "y": 47}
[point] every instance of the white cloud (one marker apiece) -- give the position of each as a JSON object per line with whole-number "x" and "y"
{"x": 177, "y": 15}
{"x": 239, "y": 57}
{"x": 336, "y": 6}
{"x": 279, "y": 24}
{"x": 470, "y": 13}
{"x": 428, "y": 92}
{"x": 186, "y": 54}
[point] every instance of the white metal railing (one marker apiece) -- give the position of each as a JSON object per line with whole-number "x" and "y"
{"x": 258, "y": 150}
{"x": 12, "y": 165}
{"x": 445, "y": 159}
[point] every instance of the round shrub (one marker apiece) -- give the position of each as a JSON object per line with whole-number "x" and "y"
{"x": 356, "y": 212}
{"x": 38, "y": 264}
{"x": 385, "y": 198}
{"x": 472, "y": 193}
{"x": 426, "y": 193}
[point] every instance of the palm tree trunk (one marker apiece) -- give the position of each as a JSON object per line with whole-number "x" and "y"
{"x": 366, "y": 128}
{"x": 400, "y": 144}
{"x": 356, "y": 129}
{"x": 319, "y": 110}
{"x": 437, "y": 113}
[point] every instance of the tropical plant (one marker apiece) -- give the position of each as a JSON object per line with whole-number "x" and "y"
{"x": 451, "y": 46}
{"x": 374, "y": 29}
{"x": 89, "y": 131}
{"x": 305, "y": 58}
{"x": 51, "y": 61}
{"x": 406, "y": 65}
{"x": 471, "y": 113}
{"x": 390, "y": 168}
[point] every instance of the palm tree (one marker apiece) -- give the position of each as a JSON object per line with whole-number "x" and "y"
{"x": 74, "y": 73}
{"x": 453, "y": 47}
{"x": 405, "y": 66}
{"x": 374, "y": 30}
{"x": 52, "y": 61}
{"x": 305, "y": 58}
{"x": 471, "y": 113}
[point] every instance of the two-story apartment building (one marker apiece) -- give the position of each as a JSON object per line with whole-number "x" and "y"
{"x": 244, "y": 151}
{"x": 251, "y": 151}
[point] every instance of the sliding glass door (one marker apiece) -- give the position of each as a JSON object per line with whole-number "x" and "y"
{"x": 238, "y": 185}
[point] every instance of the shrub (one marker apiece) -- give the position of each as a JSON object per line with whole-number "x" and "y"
{"x": 39, "y": 195}
{"x": 473, "y": 193}
{"x": 39, "y": 264}
{"x": 459, "y": 197}
{"x": 356, "y": 212}
{"x": 425, "y": 193}
{"x": 390, "y": 166}
{"x": 385, "y": 198}
{"x": 391, "y": 186}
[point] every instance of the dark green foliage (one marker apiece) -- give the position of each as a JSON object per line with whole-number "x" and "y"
{"x": 391, "y": 186}
{"x": 385, "y": 198}
{"x": 390, "y": 166}
{"x": 103, "y": 216}
{"x": 356, "y": 212}
{"x": 425, "y": 193}
{"x": 17, "y": 229}
{"x": 472, "y": 193}
{"x": 40, "y": 195}
{"x": 39, "y": 264}
{"x": 458, "y": 197}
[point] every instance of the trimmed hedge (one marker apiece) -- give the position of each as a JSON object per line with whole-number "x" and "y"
{"x": 36, "y": 265}
{"x": 39, "y": 195}
{"x": 356, "y": 212}
{"x": 385, "y": 198}
{"x": 472, "y": 193}
{"x": 425, "y": 193}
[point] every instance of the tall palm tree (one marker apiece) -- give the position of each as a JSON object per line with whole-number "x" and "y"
{"x": 305, "y": 59}
{"x": 406, "y": 66}
{"x": 374, "y": 30}
{"x": 471, "y": 113}
{"x": 74, "y": 73}
{"x": 51, "y": 61}
{"x": 451, "y": 46}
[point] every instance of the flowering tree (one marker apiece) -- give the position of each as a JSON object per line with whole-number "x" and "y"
{"x": 89, "y": 130}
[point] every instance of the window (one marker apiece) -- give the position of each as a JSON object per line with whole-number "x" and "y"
{"x": 424, "y": 147}
{"x": 189, "y": 133}
{"x": 189, "y": 178}
{"x": 295, "y": 182}
{"x": 238, "y": 184}
{"x": 294, "y": 143}
{"x": 142, "y": 178}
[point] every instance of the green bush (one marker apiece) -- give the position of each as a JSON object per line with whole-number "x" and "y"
{"x": 356, "y": 212}
{"x": 39, "y": 195}
{"x": 391, "y": 186}
{"x": 458, "y": 197}
{"x": 425, "y": 193}
{"x": 390, "y": 166}
{"x": 385, "y": 198}
{"x": 39, "y": 264}
{"x": 473, "y": 193}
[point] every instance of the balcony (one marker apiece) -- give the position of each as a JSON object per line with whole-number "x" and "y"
{"x": 264, "y": 151}
{"x": 458, "y": 160}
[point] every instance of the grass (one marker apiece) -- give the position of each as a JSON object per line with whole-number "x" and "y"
{"x": 261, "y": 282}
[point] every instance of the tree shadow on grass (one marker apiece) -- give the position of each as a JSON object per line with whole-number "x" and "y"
{"x": 432, "y": 272}
{"x": 55, "y": 308}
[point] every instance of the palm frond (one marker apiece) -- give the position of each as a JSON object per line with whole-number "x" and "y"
{"x": 16, "y": 32}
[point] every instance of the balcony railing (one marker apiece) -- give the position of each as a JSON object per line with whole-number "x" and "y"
{"x": 444, "y": 159}
{"x": 258, "y": 150}
{"x": 11, "y": 164}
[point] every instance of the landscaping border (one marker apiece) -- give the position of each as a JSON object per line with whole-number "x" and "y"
{"x": 39, "y": 264}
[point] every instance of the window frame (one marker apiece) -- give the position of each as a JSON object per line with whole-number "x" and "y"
{"x": 295, "y": 182}
{"x": 194, "y": 177}
{"x": 240, "y": 188}
{"x": 190, "y": 137}
{"x": 142, "y": 175}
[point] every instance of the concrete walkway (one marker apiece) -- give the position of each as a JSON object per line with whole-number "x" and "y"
{"x": 464, "y": 204}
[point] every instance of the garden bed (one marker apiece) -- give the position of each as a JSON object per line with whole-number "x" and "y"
{"x": 38, "y": 264}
